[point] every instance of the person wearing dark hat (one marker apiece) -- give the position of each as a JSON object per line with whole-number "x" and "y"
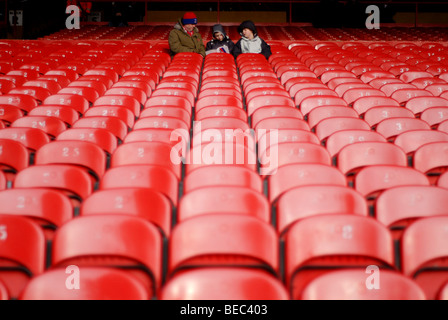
{"x": 220, "y": 43}
{"x": 185, "y": 36}
{"x": 250, "y": 42}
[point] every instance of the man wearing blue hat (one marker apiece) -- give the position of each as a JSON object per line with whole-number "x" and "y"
{"x": 185, "y": 36}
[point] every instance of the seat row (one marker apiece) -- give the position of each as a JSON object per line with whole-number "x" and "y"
{"x": 238, "y": 244}
{"x": 219, "y": 223}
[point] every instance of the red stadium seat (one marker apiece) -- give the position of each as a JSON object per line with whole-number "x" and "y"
{"x": 302, "y": 94}
{"x": 22, "y": 251}
{"x": 252, "y": 243}
{"x": 390, "y": 128}
{"x": 145, "y": 153}
{"x": 351, "y": 95}
{"x": 131, "y": 244}
{"x": 363, "y": 104}
{"x": 325, "y": 112}
{"x": 97, "y": 283}
{"x": 14, "y": 156}
{"x": 351, "y": 284}
{"x": 31, "y": 138}
{"x": 120, "y": 112}
{"x": 309, "y": 200}
{"x": 404, "y": 95}
{"x": 89, "y": 93}
{"x": 50, "y": 209}
{"x": 329, "y": 126}
{"x": 434, "y": 116}
{"x": 313, "y": 102}
{"x": 411, "y": 140}
{"x": 341, "y": 238}
{"x": 223, "y": 199}
{"x": 84, "y": 154}
{"x": 431, "y": 159}
{"x": 293, "y": 153}
{"x": 101, "y": 137}
{"x": 296, "y": 175}
{"x": 419, "y": 104}
{"x": 50, "y": 125}
{"x": 9, "y": 114}
{"x": 113, "y": 124}
{"x": 399, "y": 207}
{"x": 77, "y": 102}
{"x": 142, "y": 176}
{"x": 126, "y": 101}
{"x": 68, "y": 115}
{"x": 356, "y": 156}
{"x": 371, "y": 181}
{"x": 212, "y": 283}
{"x": 219, "y": 111}
{"x": 141, "y": 202}
{"x": 339, "y": 139}
{"x": 375, "y": 115}
{"x": 221, "y": 175}
{"x": 423, "y": 254}
{"x": 73, "y": 181}
{"x": 21, "y": 101}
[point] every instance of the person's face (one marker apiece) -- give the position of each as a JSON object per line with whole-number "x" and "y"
{"x": 219, "y": 36}
{"x": 247, "y": 33}
{"x": 189, "y": 27}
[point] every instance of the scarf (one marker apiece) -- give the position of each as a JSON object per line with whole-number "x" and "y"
{"x": 188, "y": 32}
{"x": 251, "y": 46}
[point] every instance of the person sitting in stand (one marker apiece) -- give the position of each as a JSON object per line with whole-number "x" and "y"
{"x": 250, "y": 42}
{"x": 185, "y": 36}
{"x": 220, "y": 43}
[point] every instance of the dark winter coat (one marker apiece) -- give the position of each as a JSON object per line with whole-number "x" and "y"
{"x": 257, "y": 42}
{"x": 216, "y": 44}
{"x": 180, "y": 41}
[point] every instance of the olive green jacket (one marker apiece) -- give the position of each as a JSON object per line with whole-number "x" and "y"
{"x": 180, "y": 41}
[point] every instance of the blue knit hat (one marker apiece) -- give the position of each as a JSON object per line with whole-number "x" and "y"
{"x": 189, "y": 18}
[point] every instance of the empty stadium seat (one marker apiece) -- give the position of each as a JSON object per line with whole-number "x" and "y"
{"x": 22, "y": 251}
{"x": 339, "y": 139}
{"x": 335, "y": 241}
{"x": 430, "y": 158}
{"x": 223, "y": 199}
{"x": 352, "y": 285}
{"x": 131, "y": 243}
{"x": 222, "y": 175}
{"x": 328, "y": 126}
{"x": 217, "y": 240}
{"x": 50, "y": 209}
{"x": 142, "y": 176}
{"x": 141, "y": 202}
{"x": 293, "y": 153}
{"x": 295, "y": 175}
{"x": 355, "y": 156}
{"x": 73, "y": 181}
{"x": 212, "y": 284}
{"x": 423, "y": 254}
{"x": 399, "y": 207}
{"x": 309, "y": 200}
{"x": 88, "y": 283}
{"x": 83, "y": 154}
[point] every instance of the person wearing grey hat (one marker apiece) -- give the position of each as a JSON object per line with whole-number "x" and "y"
{"x": 250, "y": 42}
{"x": 220, "y": 43}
